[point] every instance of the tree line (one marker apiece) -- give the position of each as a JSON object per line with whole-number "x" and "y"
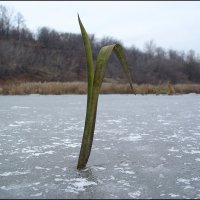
{"x": 49, "y": 55}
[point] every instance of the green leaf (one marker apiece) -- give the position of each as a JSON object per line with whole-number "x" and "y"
{"x": 94, "y": 85}
{"x": 89, "y": 58}
{"x": 84, "y": 152}
{"x": 102, "y": 60}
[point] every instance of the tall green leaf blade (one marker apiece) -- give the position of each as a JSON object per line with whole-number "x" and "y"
{"x": 90, "y": 74}
{"x": 89, "y": 58}
{"x": 101, "y": 64}
{"x": 90, "y": 124}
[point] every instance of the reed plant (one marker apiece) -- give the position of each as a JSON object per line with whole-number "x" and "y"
{"x": 95, "y": 77}
{"x": 59, "y": 88}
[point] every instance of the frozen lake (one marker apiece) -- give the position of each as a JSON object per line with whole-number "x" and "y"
{"x": 144, "y": 147}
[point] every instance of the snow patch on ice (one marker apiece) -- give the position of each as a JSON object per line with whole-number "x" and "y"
{"x": 124, "y": 183}
{"x": 38, "y": 167}
{"x": 47, "y": 152}
{"x": 188, "y": 138}
{"x": 107, "y": 148}
{"x": 173, "y": 149}
{"x": 36, "y": 183}
{"x": 161, "y": 176}
{"x": 58, "y": 179}
{"x": 20, "y": 107}
{"x": 134, "y": 195}
{"x": 129, "y": 172}
{"x": 64, "y": 168}
{"x": 195, "y": 179}
{"x": 72, "y": 156}
{"x": 123, "y": 170}
{"x": 13, "y": 125}
{"x": 124, "y": 164}
{"x": 113, "y": 121}
{"x": 78, "y": 184}
{"x": 182, "y": 180}
{"x": 73, "y": 145}
{"x": 132, "y": 138}
{"x": 24, "y": 122}
{"x": 36, "y": 195}
{"x": 98, "y": 139}
{"x": 98, "y": 168}
{"x": 196, "y": 133}
{"x": 174, "y": 195}
{"x": 37, "y": 151}
{"x": 162, "y": 158}
{"x": 15, "y": 173}
{"x": 188, "y": 187}
{"x": 165, "y": 123}
{"x": 14, "y": 187}
{"x": 191, "y": 152}
{"x": 175, "y": 135}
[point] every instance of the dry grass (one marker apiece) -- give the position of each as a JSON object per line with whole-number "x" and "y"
{"x": 107, "y": 88}
{"x": 187, "y": 88}
{"x": 44, "y": 88}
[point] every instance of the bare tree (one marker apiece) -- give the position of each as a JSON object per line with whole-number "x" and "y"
{"x": 150, "y": 48}
{"x": 20, "y": 23}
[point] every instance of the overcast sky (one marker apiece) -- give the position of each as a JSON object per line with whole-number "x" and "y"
{"x": 173, "y": 25}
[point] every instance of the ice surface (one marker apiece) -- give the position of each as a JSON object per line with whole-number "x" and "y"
{"x": 145, "y": 148}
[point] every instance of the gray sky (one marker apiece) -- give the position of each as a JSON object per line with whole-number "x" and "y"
{"x": 173, "y": 25}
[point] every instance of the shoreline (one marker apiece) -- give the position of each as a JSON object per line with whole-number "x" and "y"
{"x": 59, "y": 88}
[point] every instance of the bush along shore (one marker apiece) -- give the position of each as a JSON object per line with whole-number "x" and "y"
{"x": 58, "y": 88}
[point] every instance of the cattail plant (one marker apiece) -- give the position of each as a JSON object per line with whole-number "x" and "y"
{"x": 95, "y": 78}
